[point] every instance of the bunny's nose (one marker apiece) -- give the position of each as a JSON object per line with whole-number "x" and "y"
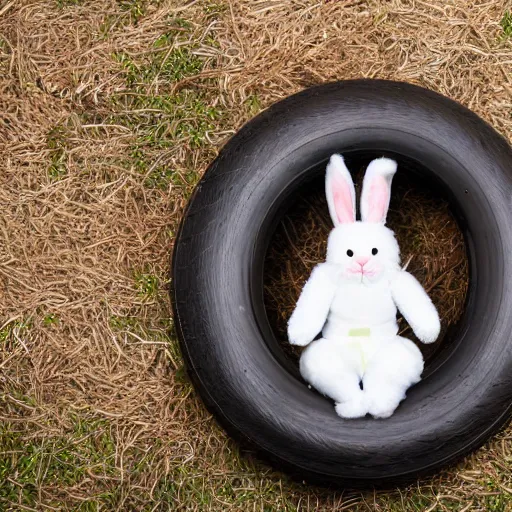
{"x": 362, "y": 260}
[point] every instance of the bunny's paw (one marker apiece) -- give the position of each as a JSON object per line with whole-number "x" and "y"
{"x": 299, "y": 333}
{"x": 384, "y": 404}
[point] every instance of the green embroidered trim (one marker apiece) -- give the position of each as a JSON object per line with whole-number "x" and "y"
{"x": 363, "y": 331}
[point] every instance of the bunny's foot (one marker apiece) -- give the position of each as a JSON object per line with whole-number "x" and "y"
{"x": 327, "y": 367}
{"x": 392, "y": 371}
{"x": 382, "y": 403}
{"x": 355, "y": 408}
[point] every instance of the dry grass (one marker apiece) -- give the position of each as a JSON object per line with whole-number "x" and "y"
{"x": 110, "y": 110}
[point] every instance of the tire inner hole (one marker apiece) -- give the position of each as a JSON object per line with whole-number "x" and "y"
{"x": 426, "y": 229}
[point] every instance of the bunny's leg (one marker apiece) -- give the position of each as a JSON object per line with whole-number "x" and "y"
{"x": 333, "y": 370}
{"x": 390, "y": 372}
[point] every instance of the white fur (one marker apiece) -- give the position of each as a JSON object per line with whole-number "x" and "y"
{"x": 412, "y": 300}
{"x": 313, "y": 305}
{"x": 384, "y": 167}
{"x": 336, "y": 166}
{"x": 362, "y": 291}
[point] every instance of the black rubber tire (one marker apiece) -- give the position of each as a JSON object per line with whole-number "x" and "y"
{"x": 217, "y": 284}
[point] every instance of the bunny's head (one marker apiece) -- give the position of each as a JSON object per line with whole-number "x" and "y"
{"x": 366, "y": 250}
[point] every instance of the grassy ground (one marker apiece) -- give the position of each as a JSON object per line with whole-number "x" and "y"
{"x": 110, "y": 110}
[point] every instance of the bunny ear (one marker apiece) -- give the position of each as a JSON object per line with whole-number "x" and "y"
{"x": 340, "y": 192}
{"x": 377, "y": 190}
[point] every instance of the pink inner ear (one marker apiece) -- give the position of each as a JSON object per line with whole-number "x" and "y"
{"x": 342, "y": 199}
{"x": 378, "y": 200}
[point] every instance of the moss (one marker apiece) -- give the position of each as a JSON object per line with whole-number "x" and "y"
{"x": 506, "y": 24}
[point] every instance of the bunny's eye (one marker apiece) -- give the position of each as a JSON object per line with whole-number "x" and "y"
{"x": 375, "y": 251}
{"x": 350, "y": 253}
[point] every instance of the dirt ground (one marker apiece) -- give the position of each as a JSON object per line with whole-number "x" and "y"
{"x": 110, "y": 111}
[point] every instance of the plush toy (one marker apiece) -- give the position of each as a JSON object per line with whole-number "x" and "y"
{"x": 360, "y": 361}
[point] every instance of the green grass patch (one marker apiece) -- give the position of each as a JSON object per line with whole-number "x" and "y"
{"x": 214, "y": 9}
{"x": 27, "y": 464}
{"x": 147, "y": 285}
{"x": 178, "y": 64}
{"x": 135, "y": 9}
{"x": 57, "y": 169}
{"x": 50, "y": 319}
{"x": 171, "y": 65}
{"x": 130, "y": 13}
{"x": 12, "y": 330}
{"x": 499, "y": 502}
{"x": 160, "y": 178}
{"x": 124, "y": 323}
{"x": 253, "y": 105}
{"x": 166, "y": 490}
{"x": 162, "y": 175}
{"x": 162, "y": 119}
{"x": 56, "y": 141}
{"x": 506, "y": 24}
{"x": 20, "y": 398}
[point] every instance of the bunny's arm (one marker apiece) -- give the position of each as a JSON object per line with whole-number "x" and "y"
{"x": 313, "y": 305}
{"x": 416, "y": 306}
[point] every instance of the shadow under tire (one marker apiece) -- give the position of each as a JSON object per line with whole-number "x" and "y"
{"x": 229, "y": 347}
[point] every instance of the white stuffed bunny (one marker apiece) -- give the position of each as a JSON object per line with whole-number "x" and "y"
{"x": 353, "y": 299}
